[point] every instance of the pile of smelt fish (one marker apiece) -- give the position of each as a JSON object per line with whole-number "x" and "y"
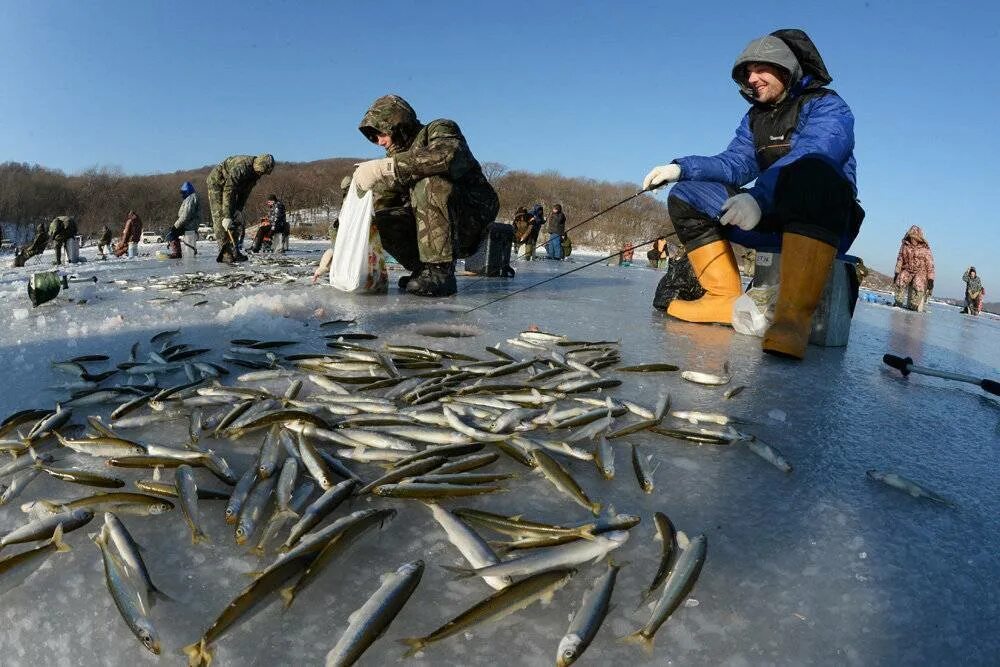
{"x": 396, "y": 423}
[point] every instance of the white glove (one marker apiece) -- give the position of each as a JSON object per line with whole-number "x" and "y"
{"x": 741, "y": 210}
{"x": 371, "y": 173}
{"x": 665, "y": 173}
{"x": 227, "y": 223}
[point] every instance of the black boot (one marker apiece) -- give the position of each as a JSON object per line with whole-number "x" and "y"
{"x": 239, "y": 256}
{"x": 434, "y": 280}
{"x": 225, "y": 254}
{"x": 175, "y": 249}
{"x": 404, "y": 280}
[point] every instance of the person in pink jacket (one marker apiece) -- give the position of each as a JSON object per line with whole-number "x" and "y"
{"x": 914, "y": 279}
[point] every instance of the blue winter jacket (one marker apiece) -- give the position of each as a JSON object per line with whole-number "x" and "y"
{"x": 825, "y": 129}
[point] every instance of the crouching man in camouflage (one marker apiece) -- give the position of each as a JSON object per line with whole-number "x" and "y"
{"x": 229, "y": 186}
{"x": 432, "y": 201}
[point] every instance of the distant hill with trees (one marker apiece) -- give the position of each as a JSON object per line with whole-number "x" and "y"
{"x": 104, "y": 195}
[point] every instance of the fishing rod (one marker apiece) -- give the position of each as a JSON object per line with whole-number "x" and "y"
{"x": 906, "y": 366}
{"x": 566, "y": 273}
{"x": 613, "y": 206}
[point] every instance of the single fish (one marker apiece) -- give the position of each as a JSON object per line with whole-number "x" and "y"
{"x": 669, "y": 551}
{"x": 15, "y": 569}
{"x": 169, "y": 489}
{"x": 44, "y": 527}
{"x": 102, "y": 446}
{"x": 642, "y": 475}
{"x": 373, "y": 618}
{"x": 708, "y": 378}
{"x": 81, "y": 477}
{"x": 400, "y": 473}
{"x": 732, "y": 393}
{"x": 588, "y": 618}
{"x": 473, "y": 548}
{"x": 334, "y": 547}
{"x": 768, "y": 453}
{"x": 318, "y": 510}
{"x": 604, "y": 458}
{"x": 603, "y": 525}
{"x": 270, "y": 450}
{"x": 253, "y": 509}
{"x": 554, "y": 558}
{"x": 239, "y": 494}
{"x": 314, "y": 463}
{"x": 431, "y": 491}
{"x": 187, "y": 493}
{"x": 128, "y": 603}
{"x": 18, "y": 484}
{"x": 128, "y": 551}
{"x": 467, "y": 463}
{"x": 138, "y": 504}
{"x": 502, "y": 603}
{"x": 649, "y": 368}
{"x": 250, "y": 600}
{"x": 907, "y": 486}
{"x": 517, "y": 526}
{"x": 563, "y": 481}
{"x": 679, "y": 583}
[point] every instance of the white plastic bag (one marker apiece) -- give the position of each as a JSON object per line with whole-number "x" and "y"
{"x": 753, "y": 312}
{"x": 358, "y": 259}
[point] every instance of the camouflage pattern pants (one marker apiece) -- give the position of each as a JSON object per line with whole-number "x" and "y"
{"x": 215, "y": 206}
{"x": 425, "y": 231}
{"x": 906, "y": 296}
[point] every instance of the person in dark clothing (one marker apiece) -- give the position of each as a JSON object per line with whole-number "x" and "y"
{"x": 104, "y": 241}
{"x": 432, "y": 202}
{"x": 556, "y": 229}
{"x": 797, "y": 143}
{"x": 61, "y": 230}
{"x": 522, "y": 228}
{"x": 537, "y": 222}
{"x": 274, "y": 223}
{"x": 36, "y": 247}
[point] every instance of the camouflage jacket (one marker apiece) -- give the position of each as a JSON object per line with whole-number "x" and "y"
{"x": 235, "y": 178}
{"x": 435, "y": 149}
{"x": 62, "y": 227}
{"x": 189, "y": 214}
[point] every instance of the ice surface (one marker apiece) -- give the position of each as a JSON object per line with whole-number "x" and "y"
{"x": 822, "y": 566}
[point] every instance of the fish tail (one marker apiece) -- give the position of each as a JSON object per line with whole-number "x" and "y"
{"x": 286, "y": 515}
{"x": 587, "y": 533}
{"x": 460, "y": 572}
{"x": 198, "y": 654}
{"x": 288, "y": 596}
{"x": 156, "y": 594}
{"x": 198, "y": 537}
{"x": 415, "y": 644}
{"x": 639, "y": 637}
{"x": 57, "y": 539}
{"x": 595, "y": 508}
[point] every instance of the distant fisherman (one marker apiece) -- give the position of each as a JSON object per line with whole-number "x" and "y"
{"x": 229, "y": 186}
{"x": 104, "y": 241}
{"x": 131, "y": 234}
{"x": 36, "y": 247}
{"x": 432, "y": 201}
{"x": 61, "y": 230}
{"x": 797, "y": 143}
{"x": 188, "y": 219}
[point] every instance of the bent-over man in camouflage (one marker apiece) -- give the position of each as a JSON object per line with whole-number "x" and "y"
{"x": 432, "y": 201}
{"x": 229, "y": 186}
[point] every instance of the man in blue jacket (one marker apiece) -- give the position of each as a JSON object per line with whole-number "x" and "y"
{"x": 797, "y": 141}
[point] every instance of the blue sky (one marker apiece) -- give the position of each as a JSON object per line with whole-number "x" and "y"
{"x": 598, "y": 89}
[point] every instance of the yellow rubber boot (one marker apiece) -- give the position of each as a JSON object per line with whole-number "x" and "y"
{"x": 715, "y": 266}
{"x": 805, "y": 268}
